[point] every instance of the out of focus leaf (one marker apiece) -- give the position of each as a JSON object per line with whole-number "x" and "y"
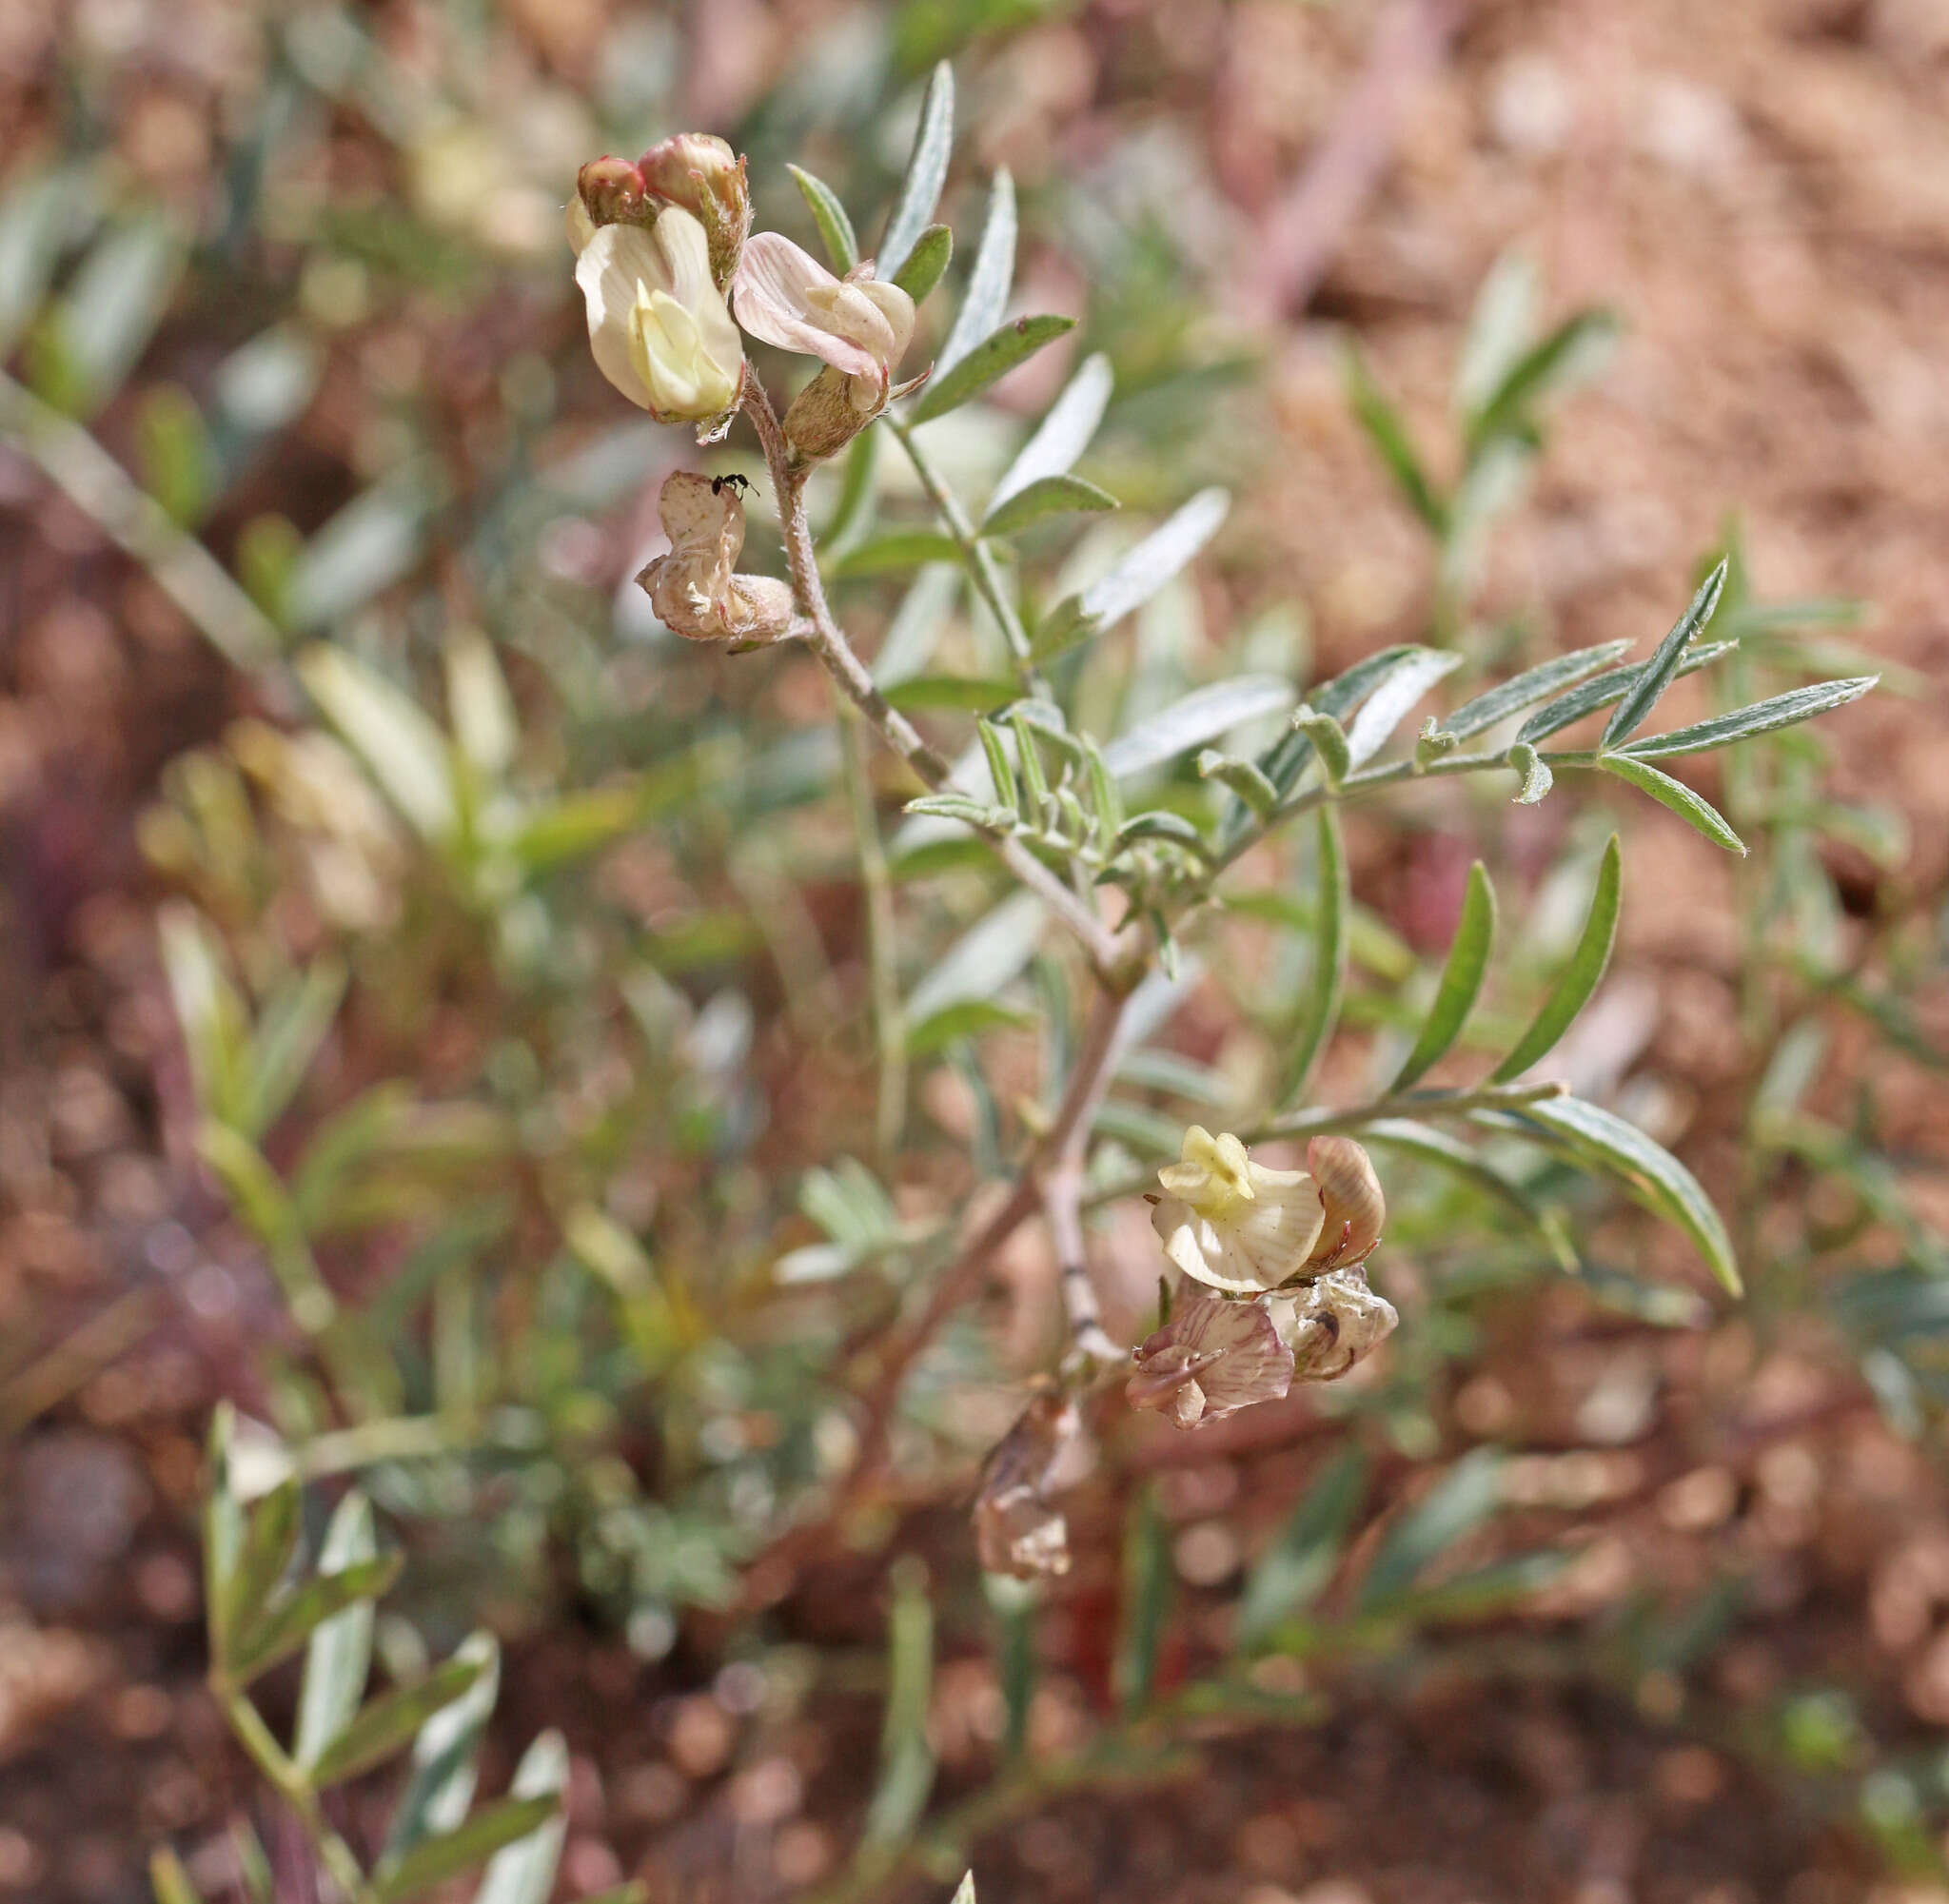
{"x": 1322, "y": 1009}
{"x": 1457, "y": 1505}
{"x": 168, "y": 1879}
{"x": 1164, "y": 553}
{"x": 906, "y": 1760}
{"x": 1500, "y": 324}
{"x": 440, "y": 1785}
{"x": 389, "y": 1722}
{"x": 1569, "y": 351}
{"x": 524, "y": 1871}
{"x": 967, "y": 1019}
{"x": 983, "y": 960}
{"x": 1388, "y": 434}
{"x": 293, "y": 1619}
{"x": 989, "y": 280}
{"x": 894, "y": 553}
{"x": 112, "y": 308}
{"x": 403, "y": 750}
{"x": 927, "y": 171}
{"x": 290, "y": 1032}
{"x": 339, "y": 1653}
{"x": 1146, "y": 1600}
{"x": 374, "y": 540}
{"x": 434, "y": 1860}
{"x": 1293, "y": 1573}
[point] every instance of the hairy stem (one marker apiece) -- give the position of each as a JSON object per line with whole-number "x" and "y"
{"x": 823, "y": 636}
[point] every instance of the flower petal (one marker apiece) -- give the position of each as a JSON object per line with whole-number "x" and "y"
{"x": 615, "y": 261}
{"x": 773, "y": 292}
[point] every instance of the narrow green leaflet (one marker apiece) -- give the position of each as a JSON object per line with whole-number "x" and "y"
{"x": 994, "y": 356}
{"x": 1330, "y": 960}
{"x": 1579, "y": 978}
{"x": 1457, "y": 1505}
{"x": 339, "y": 1653}
{"x": 906, "y": 1758}
{"x": 1461, "y": 981}
{"x": 983, "y": 960}
{"x": 1761, "y": 717}
{"x": 1286, "y": 758}
{"x": 1414, "y": 1139}
{"x": 852, "y": 513}
{"x": 927, "y": 264}
{"x": 1162, "y": 554}
{"x": 1063, "y": 435}
{"x": 524, "y": 1871}
{"x": 927, "y": 171}
{"x": 969, "y": 694}
{"x": 1662, "y": 670}
{"x": 291, "y": 1621}
{"x": 1693, "y": 809}
{"x": 1293, "y": 1573}
{"x": 1203, "y": 714}
{"x": 435, "y": 1860}
{"x": 292, "y": 1027}
{"x": 374, "y": 540}
{"x": 835, "y": 228}
{"x": 1569, "y": 351}
{"x": 1500, "y": 324}
{"x": 1526, "y": 689}
{"x": 1388, "y": 434}
{"x": 389, "y": 1722}
{"x": 440, "y": 1786}
{"x": 270, "y": 1536}
{"x": 989, "y": 281}
{"x": 966, "y": 1018}
{"x": 1607, "y": 688}
{"x": 169, "y": 1880}
{"x": 116, "y": 301}
{"x": 1411, "y": 675}
{"x": 1047, "y": 496}
{"x": 1657, "y": 1177}
{"x": 1147, "y": 1577}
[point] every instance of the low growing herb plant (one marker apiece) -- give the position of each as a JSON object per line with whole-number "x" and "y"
{"x": 579, "y": 1247}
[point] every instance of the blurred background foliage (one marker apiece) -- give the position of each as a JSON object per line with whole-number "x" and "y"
{"x": 442, "y": 1007}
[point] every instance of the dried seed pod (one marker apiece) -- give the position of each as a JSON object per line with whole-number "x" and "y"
{"x": 1016, "y": 1531}
{"x": 1336, "y": 1320}
{"x": 1351, "y": 1200}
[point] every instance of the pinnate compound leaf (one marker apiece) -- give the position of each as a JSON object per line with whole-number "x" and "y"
{"x": 927, "y": 264}
{"x": 1652, "y": 1174}
{"x": 989, "y": 281}
{"x": 1526, "y": 689}
{"x": 1293, "y": 1573}
{"x": 1579, "y": 978}
{"x": 1457, "y": 1505}
{"x": 927, "y": 171}
{"x": 1048, "y": 496}
{"x": 1461, "y": 982}
{"x": 1662, "y": 670}
{"x": 835, "y": 228}
{"x": 1763, "y": 716}
{"x": 1693, "y": 809}
{"x": 994, "y": 356}
{"x": 1064, "y": 434}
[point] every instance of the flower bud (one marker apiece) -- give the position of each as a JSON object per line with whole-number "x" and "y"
{"x": 704, "y": 176}
{"x": 607, "y": 191}
{"x": 695, "y": 589}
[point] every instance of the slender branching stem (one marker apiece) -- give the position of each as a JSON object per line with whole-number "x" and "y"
{"x": 975, "y": 553}
{"x": 1110, "y": 957}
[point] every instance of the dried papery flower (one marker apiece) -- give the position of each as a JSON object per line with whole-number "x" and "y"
{"x": 657, "y": 325}
{"x": 695, "y": 588}
{"x": 857, "y": 324}
{"x": 1212, "y": 1358}
{"x": 1233, "y": 1224}
{"x": 706, "y": 178}
{"x": 1336, "y": 1320}
{"x": 1351, "y": 1204}
{"x": 1016, "y": 1531}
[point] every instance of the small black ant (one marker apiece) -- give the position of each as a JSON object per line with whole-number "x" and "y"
{"x": 737, "y": 484}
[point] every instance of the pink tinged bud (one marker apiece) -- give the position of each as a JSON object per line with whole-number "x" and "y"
{"x": 1017, "y": 1530}
{"x": 657, "y": 326}
{"x": 1211, "y": 1358}
{"x": 610, "y": 191}
{"x": 695, "y": 589}
{"x": 706, "y": 178}
{"x": 857, "y": 324}
{"x": 1351, "y": 1204}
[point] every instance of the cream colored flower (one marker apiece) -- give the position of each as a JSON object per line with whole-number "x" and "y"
{"x": 1212, "y": 1358}
{"x": 857, "y": 323}
{"x": 657, "y": 325}
{"x": 1233, "y": 1224}
{"x": 695, "y": 589}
